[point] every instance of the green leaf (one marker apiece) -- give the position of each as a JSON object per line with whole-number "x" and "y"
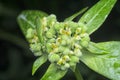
{"x": 108, "y": 64}
{"x": 76, "y": 14}
{"x": 41, "y": 60}
{"x": 39, "y": 29}
{"x": 27, "y": 19}
{"x": 95, "y": 16}
{"x": 53, "y": 73}
{"x": 97, "y": 48}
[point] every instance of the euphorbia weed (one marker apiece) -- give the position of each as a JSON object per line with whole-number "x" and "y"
{"x": 62, "y": 41}
{"x": 65, "y": 44}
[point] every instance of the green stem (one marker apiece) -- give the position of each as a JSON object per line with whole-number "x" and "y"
{"x": 78, "y": 74}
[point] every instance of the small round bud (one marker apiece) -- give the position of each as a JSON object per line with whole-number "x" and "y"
{"x": 35, "y": 47}
{"x": 51, "y": 20}
{"x": 71, "y": 53}
{"x": 74, "y": 59}
{"x": 50, "y": 33}
{"x": 30, "y": 33}
{"x": 64, "y": 37}
{"x": 55, "y": 50}
{"x": 77, "y": 52}
{"x": 77, "y": 37}
{"x": 49, "y": 48}
{"x": 77, "y": 46}
{"x": 58, "y": 40}
{"x": 85, "y": 40}
{"x": 66, "y": 58}
{"x": 72, "y": 63}
{"x": 84, "y": 28}
{"x": 52, "y": 40}
{"x": 53, "y": 57}
{"x": 38, "y": 53}
{"x": 84, "y": 43}
{"x": 61, "y": 48}
{"x": 44, "y": 22}
{"x": 57, "y": 26}
{"x": 65, "y": 66}
{"x": 61, "y": 61}
{"x": 63, "y": 42}
{"x": 66, "y": 51}
{"x": 78, "y": 31}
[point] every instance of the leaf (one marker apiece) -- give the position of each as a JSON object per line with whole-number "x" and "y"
{"x": 41, "y": 60}
{"x": 53, "y": 73}
{"x": 39, "y": 29}
{"x": 76, "y": 14}
{"x": 27, "y": 19}
{"x": 97, "y": 48}
{"x": 108, "y": 64}
{"x": 95, "y": 16}
{"x": 27, "y": 22}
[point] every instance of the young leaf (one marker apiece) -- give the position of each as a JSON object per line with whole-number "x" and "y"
{"x": 53, "y": 73}
{"x": 97, "y": 48}
{"x": 108, "y": 64}
{"x": 76, "y": 14}
{"x": 95, "y": 16}
{"x": 39, "y": 29}
{"x": 41, "y": 60}
{"x": 27, "y": 19}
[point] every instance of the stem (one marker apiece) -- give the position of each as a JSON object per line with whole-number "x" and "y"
{"x": 78, "y": 74}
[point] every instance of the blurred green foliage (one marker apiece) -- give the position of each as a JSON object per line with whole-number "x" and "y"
{"x": 15, "y": 58}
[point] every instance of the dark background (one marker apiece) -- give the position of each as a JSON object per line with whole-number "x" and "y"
{"x": 15, "y": 57}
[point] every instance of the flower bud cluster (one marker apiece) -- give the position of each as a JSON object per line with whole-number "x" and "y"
{"x": 35, "y": 45}
{"x": 63, "y": 41}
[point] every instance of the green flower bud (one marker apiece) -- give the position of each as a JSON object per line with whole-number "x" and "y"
{"x": 66, "y": 58}
{"x": 63, "y": 42}
{"x": 73, "y": 26}
{"x": 55, "y": 50}
{"x": 77, "y": 46}
{"x": 74, "y": 59}
{"x": 30, "y": 33}
{"x": 85, "y": 40}
{"x": 58, "y": 41}
{"x": 84, "y": 28}
{"x": 78, "y": 31}
{"x": 53, "y": 57}
{"x": 35, "y": 47}
{"x": 61, "y": 61}
{"x": 66, "y": 51}
{"x": 77, "y": 52}
{"x": 44, "y": 21}
{"x": 84, "y": 43}
{"x": 48, "y": 46}
{"x": 61, "y": 48}
{"x": 65, "y": 66}
{"x": 72, "y": 64}
{"x": 39, "y": 53}
{"x": 64, "y": 37}
{"x": 50, "y": 33}
{"x": 71, "y": 53}
{"x": 52, "y": 40}
{"x": 57, "y": 26}
{"x": 51, "y": 20}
